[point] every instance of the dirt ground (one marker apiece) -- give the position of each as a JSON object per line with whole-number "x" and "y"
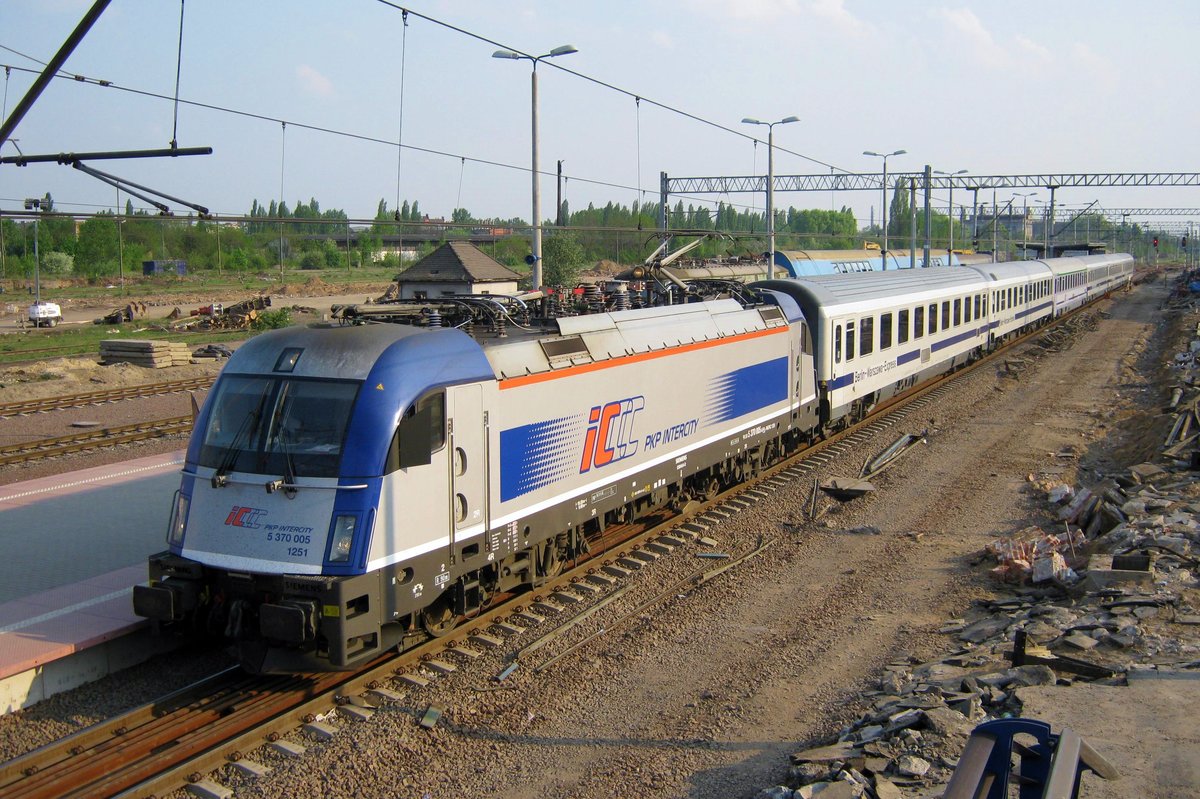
{"x": 312, "y": 291}
{"x": 59, "y": 376}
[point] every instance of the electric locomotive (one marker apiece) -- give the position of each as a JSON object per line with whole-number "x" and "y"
{"x": 346, "y": 488}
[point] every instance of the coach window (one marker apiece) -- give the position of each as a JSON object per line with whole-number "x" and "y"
{"x": 945, "y": 314}
{"x": 866, "y": 335}
{"x": 985, "y": 304}
{"x": 885, "y": 330}
{"x": 932, "y": 318}
{"x": 978, "y": 305}
{"x": 837, "y": 344}
{"x": 957, "y": 312}
{"x": 850, "y": 340}
{"x": 919, "y": 321}
{"x": 421, "y": 433}
{"x": 902, "y": 326}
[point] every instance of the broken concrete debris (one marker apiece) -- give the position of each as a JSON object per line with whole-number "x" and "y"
{"x": 1106, "y": 593}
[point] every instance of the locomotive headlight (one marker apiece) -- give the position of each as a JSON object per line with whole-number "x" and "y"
{"x": 178, "y": 520}
{"x": 343, "y": 538}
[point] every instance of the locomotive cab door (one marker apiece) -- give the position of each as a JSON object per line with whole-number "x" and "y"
{"x": 468, "y": 466}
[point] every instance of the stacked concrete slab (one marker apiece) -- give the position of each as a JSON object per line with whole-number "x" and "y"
{"x": 146, "y": 353}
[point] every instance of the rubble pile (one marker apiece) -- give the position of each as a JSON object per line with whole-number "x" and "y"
{"x": 126, "y": 313}
{"x": 1109, "y": 592}
{"x": 216, "y": 316}
{"x": 213, "y": 352}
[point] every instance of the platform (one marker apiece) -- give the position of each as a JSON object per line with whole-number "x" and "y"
{"x": 74, "y": 545}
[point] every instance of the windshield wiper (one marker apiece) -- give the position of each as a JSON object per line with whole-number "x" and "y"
{"x": 277, "y": 432}
{"x": 249, "y": 425}
{"x": 289, "y": 475}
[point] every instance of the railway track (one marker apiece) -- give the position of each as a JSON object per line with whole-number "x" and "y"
{"x": 177, "y": 740}
{"x": 93, "y": 439}
{"x": 104, "y": 396}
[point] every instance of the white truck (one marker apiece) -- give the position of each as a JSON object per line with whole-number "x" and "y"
{"x": 45, "y": 314}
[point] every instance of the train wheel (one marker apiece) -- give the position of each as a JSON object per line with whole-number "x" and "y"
{"x": 439, "y": 618}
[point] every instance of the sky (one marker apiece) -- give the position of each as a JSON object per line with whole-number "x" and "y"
{"x": 1012, "y": 87}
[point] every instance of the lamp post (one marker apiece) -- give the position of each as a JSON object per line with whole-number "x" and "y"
{"x": 536, "y": 254}
{"x": 950, "y": 246}
{"x": 885, "y": 157}
{"x": 35, "y": 204}
{"x": 1024, "y": 221}
{"x": 770, "y": 186}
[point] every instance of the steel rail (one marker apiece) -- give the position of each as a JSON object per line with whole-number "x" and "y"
{"x": 103, "y": 396}
{"x": 93, "y": 439}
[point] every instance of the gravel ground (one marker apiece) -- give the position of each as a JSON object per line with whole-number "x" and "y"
{"x": 708, "y": 694}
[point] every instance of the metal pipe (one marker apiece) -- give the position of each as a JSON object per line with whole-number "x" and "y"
{"x": 912, "y": 217}
{"x": 52, "y": 68}
{"x": 928, "y": 218}
{"x": 107, "y": 155}
{"x": 96, "y": 173}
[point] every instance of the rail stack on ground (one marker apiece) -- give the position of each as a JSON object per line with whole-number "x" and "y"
{"x": 150, "y": 354}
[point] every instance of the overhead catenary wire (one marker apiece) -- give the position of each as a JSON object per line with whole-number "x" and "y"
{"x": 178, "y": 72}
{"x": 462, "y": 171}
{"x": 347, "y": 134}
{"x": 637, "y": 123}
{"x": 598, "y": 82}
{"x": 400, "y": 126}
{"x": 405, "y": 12}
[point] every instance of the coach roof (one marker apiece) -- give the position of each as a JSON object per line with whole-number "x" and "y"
{"x": 833, "y": 294}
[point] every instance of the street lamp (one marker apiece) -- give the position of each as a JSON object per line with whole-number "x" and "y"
{"x": 885, "y": 157}
{"x": 770, "y": 186}
{"x": 536, "y": 254}
{"x": 35, "y": 204}
{"x": 950, "y": 246}
{"x": 1025, "y": 221}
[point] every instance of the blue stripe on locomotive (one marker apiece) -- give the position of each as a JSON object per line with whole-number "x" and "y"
{"x": 535, "y": 455}
{"x": 741, "y": 391}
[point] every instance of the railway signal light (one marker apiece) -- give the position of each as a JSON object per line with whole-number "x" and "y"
{"x": 1183, "y": 243}
{"x": 1156, "y": 242}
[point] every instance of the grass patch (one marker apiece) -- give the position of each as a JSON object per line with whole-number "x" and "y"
{"x": 84, "y": 340}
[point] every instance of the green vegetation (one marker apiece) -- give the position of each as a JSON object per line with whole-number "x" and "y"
{"x": 74, "y": 340}
{"x": 275, "y": 240}
{"x": 272, "y": 320}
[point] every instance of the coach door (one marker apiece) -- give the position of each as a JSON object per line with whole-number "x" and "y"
{"x": 468, "y": 463}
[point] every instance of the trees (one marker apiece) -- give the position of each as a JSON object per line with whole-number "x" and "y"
{"x": 562, "y": 259}
{"x": 898, "y": 213}
{"x": 98, "y": 250}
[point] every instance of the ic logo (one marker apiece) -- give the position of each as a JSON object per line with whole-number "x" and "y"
{"x": 610, "y": 436}
{"x": 244, "y": 517}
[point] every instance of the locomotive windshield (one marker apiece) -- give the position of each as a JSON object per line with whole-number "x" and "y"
{"x": 278, "y": 426}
